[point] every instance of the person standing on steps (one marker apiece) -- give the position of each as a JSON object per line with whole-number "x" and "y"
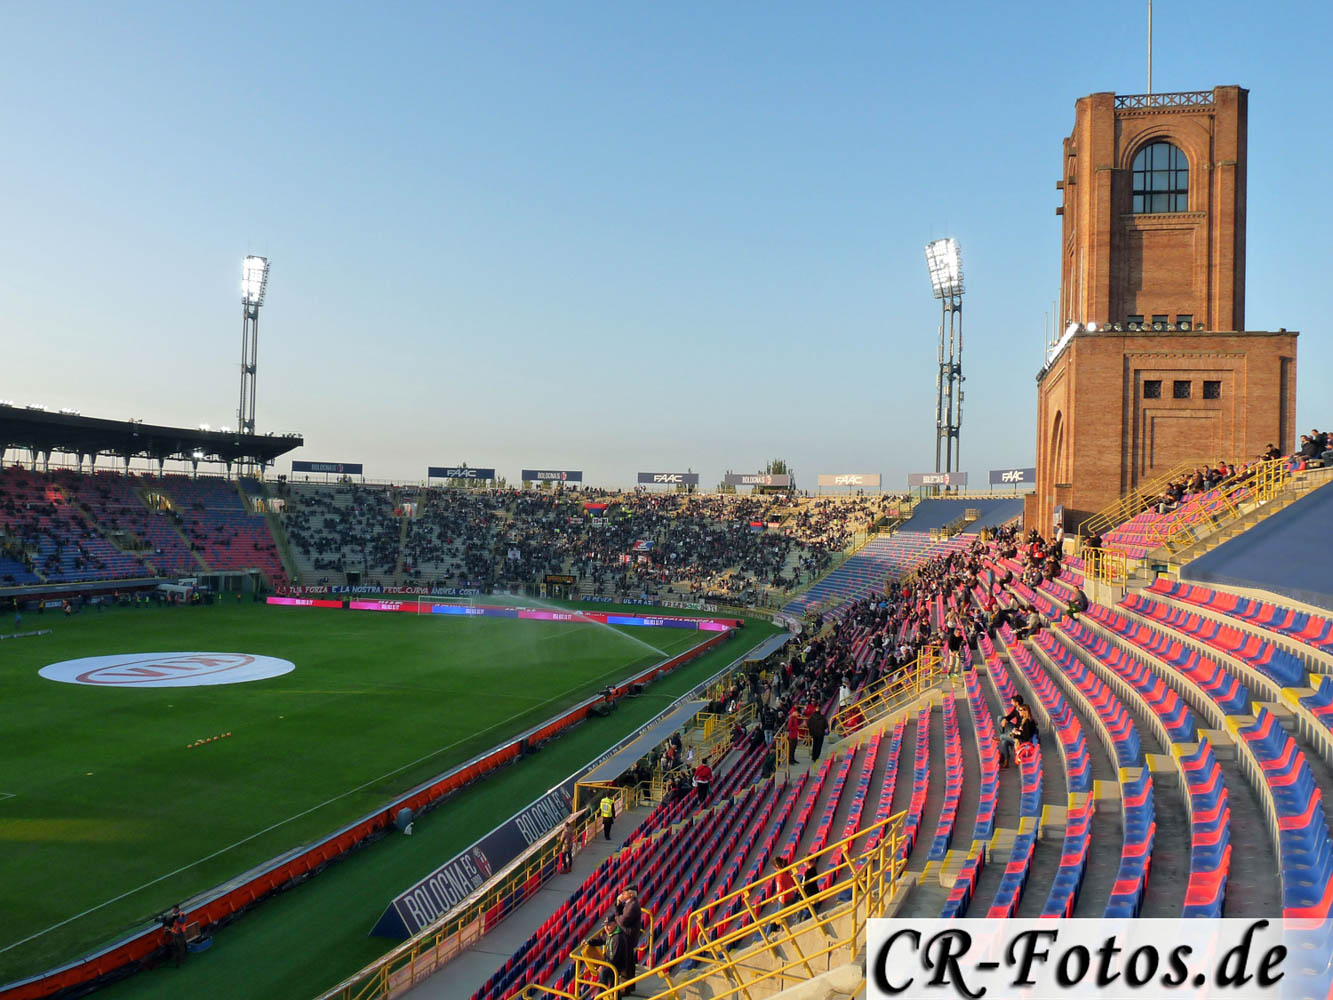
{"x": 793, "y": 734}
{"x": 818, "y": 726}
{"x": 608, "y": 810}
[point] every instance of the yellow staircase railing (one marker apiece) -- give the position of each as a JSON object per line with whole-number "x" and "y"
{"x": 1108, "y": 566}
{"x": 890, "y": 693}
{"x": 1137, "y": 500}
{"x": 821, "y": 906}
{"x": 1258, "y": 484}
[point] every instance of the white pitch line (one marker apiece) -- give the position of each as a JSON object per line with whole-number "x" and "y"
{"x": 306, "y": 812}
{"x": 8, "y": 795}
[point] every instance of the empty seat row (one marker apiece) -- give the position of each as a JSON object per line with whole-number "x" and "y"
{"x": 1220, "y": 687}
{"x": 953, "y": 781}
{"x": 1207, "y": 802}
{"x": 1068, "y": 881}
{"x": 989, "y": 753}
{"x": 920, "y": 783}
{"x": 1310, "y": 629}
{"x": 1281, "y": 667}
{"x": 1140, "y": 829}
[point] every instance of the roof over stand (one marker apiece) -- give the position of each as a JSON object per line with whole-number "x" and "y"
{"x": 70, "y": 433}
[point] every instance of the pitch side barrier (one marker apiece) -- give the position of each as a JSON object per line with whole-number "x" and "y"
{"x": 225, "y": 902}
{"x": 529, "y": 614}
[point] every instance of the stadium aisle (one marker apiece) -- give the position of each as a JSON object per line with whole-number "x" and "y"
{"x": 466, "y": 974}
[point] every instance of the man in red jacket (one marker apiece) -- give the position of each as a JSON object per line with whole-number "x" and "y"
{"x": 703, "y": 778}
{"x": 793, "y": 733}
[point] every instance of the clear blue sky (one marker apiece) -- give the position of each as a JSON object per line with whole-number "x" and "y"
{"x": 607, "y": 236}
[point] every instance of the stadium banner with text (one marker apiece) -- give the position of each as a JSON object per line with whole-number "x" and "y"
{"x": 330, "y": 468}
{"x": 458, "y": 472}
{"x": 668, "y": 479}
{"x": 372, "y": 588}
{"x": 447, "y": 886}
{"x": 545, "y": 475}
{"x": 1012, "y": 477}
{"x": 1105, "y": 959}
{"x": 860, "y": 479}
{"x": 937, "y": 479}
{"x": 540, "y": 614}
{"x": 756, "y": 479}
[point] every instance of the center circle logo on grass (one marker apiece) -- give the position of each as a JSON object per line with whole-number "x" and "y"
{"x": 166, "y": 669}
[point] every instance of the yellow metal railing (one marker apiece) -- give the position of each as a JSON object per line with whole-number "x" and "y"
{"x": 1260, "y": 483}
{"x": 890, "y": 693}
{"x": 1108, "y": 566}
{"x": 590, "y": 968}
{"x": 815, "y": 916}
{"x": 1137, "y": 500}
{"x": 421, "y": 956}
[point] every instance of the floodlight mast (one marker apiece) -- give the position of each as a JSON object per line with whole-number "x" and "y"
{"x": 254, "y": 283}
{"x": 945, "y": 264}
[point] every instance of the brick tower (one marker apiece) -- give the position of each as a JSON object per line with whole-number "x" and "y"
{"x": 1154, "y": 367}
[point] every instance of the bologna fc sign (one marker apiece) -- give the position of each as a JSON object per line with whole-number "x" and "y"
{"x": 143, "y": 670}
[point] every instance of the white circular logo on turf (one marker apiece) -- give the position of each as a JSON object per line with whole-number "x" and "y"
{"x": 167, "y": 669}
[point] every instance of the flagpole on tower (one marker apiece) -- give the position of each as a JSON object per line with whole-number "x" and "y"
{"x": 1150, "y": 46}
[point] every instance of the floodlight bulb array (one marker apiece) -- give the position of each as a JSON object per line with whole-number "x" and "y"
{"x": 945, "y": 263}
{"x": 254, "y": 280}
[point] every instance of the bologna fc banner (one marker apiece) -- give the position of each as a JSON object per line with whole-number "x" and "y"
{"x": 540, "y": 475}
{"x": 756, "y": 479}
{"x": 668, "y": 479}
{"x": 937, "y": 479}
{"x": 461, "y": 472}
{"x": 331, "y": 468}
{"x": 455, "y": 880}
{"x": 1012, "y": 477}
{"x": 860, "y": 479}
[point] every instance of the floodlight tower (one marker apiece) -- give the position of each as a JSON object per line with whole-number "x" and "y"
{"x": 946, "y": 281}
{"x": 254, "y": 282}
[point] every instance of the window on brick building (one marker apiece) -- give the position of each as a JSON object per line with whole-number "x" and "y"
{"x": 1161, "y": 177}
{"x": 1152, "y": 388}
{"x": 1180, "y": 389}
{"x": 1135, "y": 322}
{"x": 1212, "y": 389}
{"x": 1185, "y": 321}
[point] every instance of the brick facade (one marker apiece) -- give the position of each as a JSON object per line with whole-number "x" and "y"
{"x": 1116, "y": 263}
{"x": 1109, "y": 413}
{"x": 1102, "y": 431}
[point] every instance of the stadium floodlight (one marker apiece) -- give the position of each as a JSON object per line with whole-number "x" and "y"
{"x": 946, "y": 268}
{"x": 254, "y": 280}
{"x": 254, "y": 283}
{"x": 945, "y": 264}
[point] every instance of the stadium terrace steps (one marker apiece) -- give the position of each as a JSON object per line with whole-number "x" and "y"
{"x": 931, "y": 515}
{"x": 1251, "y": 889}
{"x": 865, "y": 573}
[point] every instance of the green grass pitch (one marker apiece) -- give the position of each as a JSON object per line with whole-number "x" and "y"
{"x": 107, "y": 818}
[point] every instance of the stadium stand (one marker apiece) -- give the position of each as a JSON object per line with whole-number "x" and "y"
{"x": 1287, "y": 554}
{"x": 931, "y": 515}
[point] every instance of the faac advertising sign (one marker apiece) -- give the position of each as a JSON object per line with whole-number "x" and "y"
{"x": 461, "y": 472}
{"x": 865, "y": 480}
{"x": 1012, "y": 477}
{"x": 756, "y": 479}
{"x": 329, "y": 468}
{"x": 456, "y": 879}
{"x": 937, "y": 479}
{"x": 668, "y": 479}
{"x": 543, "y": 475}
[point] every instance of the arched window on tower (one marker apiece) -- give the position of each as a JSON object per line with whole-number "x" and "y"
{"x": 1161, "y": 179}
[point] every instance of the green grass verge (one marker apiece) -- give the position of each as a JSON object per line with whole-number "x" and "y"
{"x": 372, "y": 695}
